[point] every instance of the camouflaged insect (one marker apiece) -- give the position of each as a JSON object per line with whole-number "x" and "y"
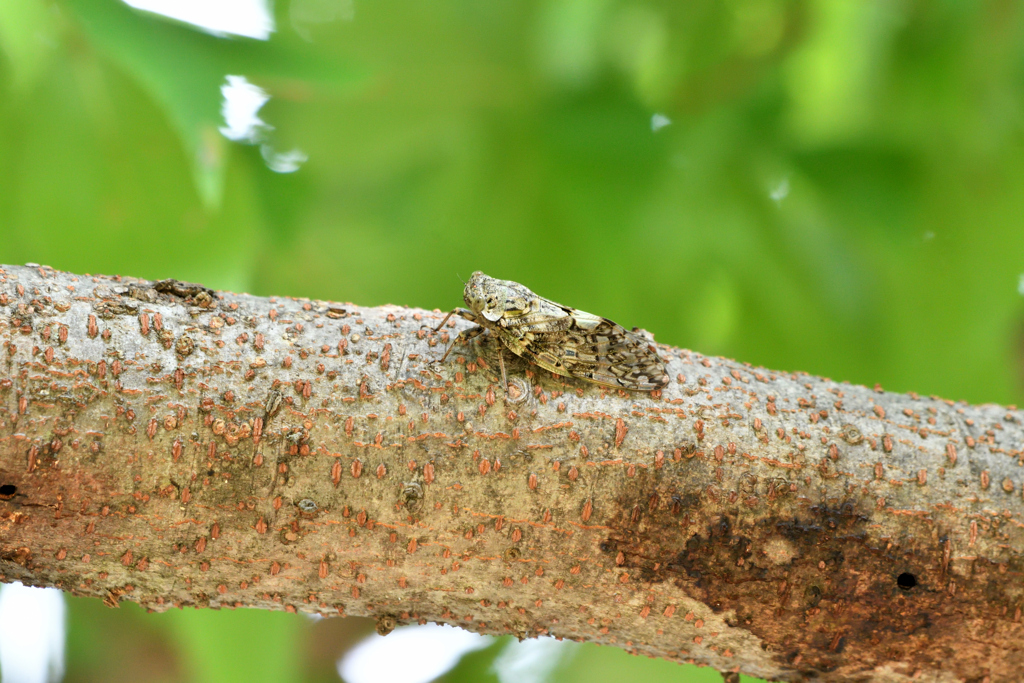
{"x": 561, "y": 339}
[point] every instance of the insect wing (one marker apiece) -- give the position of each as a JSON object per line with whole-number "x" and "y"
{"x": 541, "y": 315}
{"x": 599, "y": 350}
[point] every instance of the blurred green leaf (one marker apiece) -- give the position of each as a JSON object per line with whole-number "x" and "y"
{"x": 476, "y": 666}
{"x": 110, "y": 646}
{"x": 29, "y": 35}
{"x": 184, "y": 70}
{"x": 223, "y": 646}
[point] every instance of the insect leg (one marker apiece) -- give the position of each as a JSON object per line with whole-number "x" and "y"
{"x": 464, "y": 336}
{"x": 463, "y": 312}
{"x": 501, "y": 364}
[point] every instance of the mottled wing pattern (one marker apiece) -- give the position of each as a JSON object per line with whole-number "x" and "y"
{"x": 589, "y": 347}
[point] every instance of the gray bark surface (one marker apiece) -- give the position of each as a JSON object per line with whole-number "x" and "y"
{"x": 172, "y": 446}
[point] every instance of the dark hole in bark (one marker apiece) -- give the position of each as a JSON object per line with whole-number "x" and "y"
{"x": 7, "y": 491}
{"x": 906, "y": 581}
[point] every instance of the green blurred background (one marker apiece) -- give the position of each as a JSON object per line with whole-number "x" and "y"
{"x": 822, "y": 185}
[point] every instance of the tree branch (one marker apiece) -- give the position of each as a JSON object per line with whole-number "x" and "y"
{"x": 167, "y": 445}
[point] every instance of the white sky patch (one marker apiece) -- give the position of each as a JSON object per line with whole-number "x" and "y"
{"x": 283, "y": 162}
{"x": 241, "y": 108}
{"x": 532, "y": 660}
{"x": 1020, "y": 285}
{"x": 659, "y": 121}
{"x": 780, "y": 191}
{"x": 31, "y": 634}
{"x": 242, "y": 102}
{"x": 250, "y": 18}
{"x": 411, "y": 654}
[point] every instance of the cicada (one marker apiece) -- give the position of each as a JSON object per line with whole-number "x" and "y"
{"x": 561, "y": 339}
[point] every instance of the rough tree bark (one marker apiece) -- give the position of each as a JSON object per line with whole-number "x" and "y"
{"x": 169, "y": 445}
